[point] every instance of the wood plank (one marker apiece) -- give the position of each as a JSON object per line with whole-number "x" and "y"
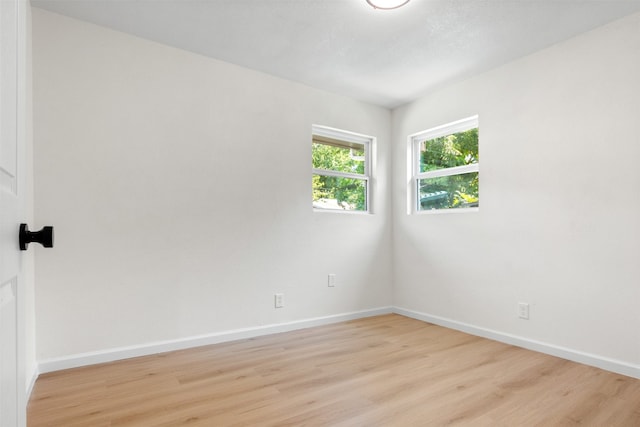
{"x": 380, "y": 371}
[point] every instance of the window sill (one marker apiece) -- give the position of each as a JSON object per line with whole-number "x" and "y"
{"x": 446, "y": 211}
{"x": 342, "y": 212}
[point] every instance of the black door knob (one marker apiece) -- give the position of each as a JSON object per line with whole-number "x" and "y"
{"x": 44, "y": 237}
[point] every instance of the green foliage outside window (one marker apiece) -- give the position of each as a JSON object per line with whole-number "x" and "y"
{"x": 453, "y": 191}
{"x": 348, "y": 193}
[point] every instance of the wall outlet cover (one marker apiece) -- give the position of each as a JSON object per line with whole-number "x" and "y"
{"x": 278, "y": 300}
{"x": 523, "y": 310}
{"x": 331, "y": 280}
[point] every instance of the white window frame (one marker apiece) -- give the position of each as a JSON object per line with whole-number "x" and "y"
{"x": 414, "y": 143}
{"x": 346, "y": 136}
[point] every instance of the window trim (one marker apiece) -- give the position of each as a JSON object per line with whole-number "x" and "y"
{"x": 414, "y": 170}
{"x": 327, "y": 134}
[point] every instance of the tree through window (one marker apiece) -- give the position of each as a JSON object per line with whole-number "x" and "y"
{"x": 340, "y": 162}
{"x": 446, "y": 166}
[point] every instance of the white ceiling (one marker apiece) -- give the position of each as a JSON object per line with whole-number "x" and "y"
{"x": 345, "y": 46}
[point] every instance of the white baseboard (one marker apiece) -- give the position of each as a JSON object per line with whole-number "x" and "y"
{"x": 612, "y": 365}
{"x": 32, "y": 382}
{"x": 111, "y": 355}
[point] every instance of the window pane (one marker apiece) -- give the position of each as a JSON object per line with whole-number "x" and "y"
{"x": 457, "y": 149}
{"x": 338, "y": 158}
{"x": 448, "y": 192}
{"x": 331, "y": 192}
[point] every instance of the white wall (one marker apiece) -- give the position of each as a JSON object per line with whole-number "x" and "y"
{"x": 176, "y": 215}
{"x": 180, "y": 190}
{"x": 558, "y": 225}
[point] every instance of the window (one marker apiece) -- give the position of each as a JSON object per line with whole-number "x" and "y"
{"x": 340, "y": 162}
{"x": 446, "y": 166}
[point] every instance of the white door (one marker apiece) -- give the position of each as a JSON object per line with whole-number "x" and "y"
{"x": 12, "y": 211}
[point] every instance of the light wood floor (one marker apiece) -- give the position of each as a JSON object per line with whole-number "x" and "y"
{"x": 381, "y": 371}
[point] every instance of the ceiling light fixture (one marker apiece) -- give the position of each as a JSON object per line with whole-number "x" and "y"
{"x": 387, "y": 4}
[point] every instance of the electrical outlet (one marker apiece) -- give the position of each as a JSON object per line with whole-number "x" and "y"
{"x": 523, "y": 310}
{"x": 278, "y": 300}
{"x": 331, "y": 280}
